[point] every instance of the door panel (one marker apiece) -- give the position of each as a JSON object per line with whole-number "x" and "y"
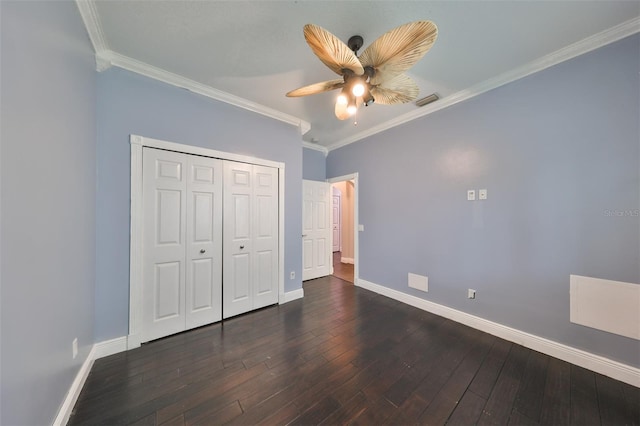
{"x": 204, "y": 241}
{"x": 236, "y": 290}
{"x": 265, "y": 236}
{"x": 265, "y": 269}
{"x": 167, "y": 291}
{"x": 316, "y": 232}
{"x": 202, "y": 276}
{"x": 202, "y": 215}
{"x": 241, "y": 266}
{"x": 240, "y": 215}
{"x": 164, "y": 201}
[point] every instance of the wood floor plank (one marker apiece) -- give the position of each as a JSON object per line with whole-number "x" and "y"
{"x": 632, "y": 399}
{"x": 584, "y": 398}
{"x": 348, "y": 411}
{"x": 468, "y": 410}
{"x": 488, "y": 373}
{"x": 557, "y": 394}
{"x": 217, "y": 417}
{"x": 528, "y": 400}
{"x": 500, "y": 403}
{"x": 611, "y": 400}
{"x": 317, "y": 412}
{"x": 345, "y": 355}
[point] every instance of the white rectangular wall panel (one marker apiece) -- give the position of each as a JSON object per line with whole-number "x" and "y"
{"x": 419, "y": 282}
{"x": 612, "y": 306}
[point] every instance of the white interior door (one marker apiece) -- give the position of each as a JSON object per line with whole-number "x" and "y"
{"x": 335, "y": 219}
{"x": 204, "y": 241}
{"x": 164, "y": 200}
{"x": 316, "y": 231}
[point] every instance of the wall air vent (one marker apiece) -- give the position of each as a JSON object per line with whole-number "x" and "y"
{"x": 427, "y": 100}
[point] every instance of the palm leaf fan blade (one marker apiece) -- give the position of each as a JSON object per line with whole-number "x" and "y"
{"x": 399, "y": 49}
{"x": 312, "y": 89}
{"x": 331, "y": 50}
{"x": 398, "y": 90}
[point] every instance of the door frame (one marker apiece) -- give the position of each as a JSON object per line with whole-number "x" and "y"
{"x": 135, "y": 237}
{"x": 356, "y": 222}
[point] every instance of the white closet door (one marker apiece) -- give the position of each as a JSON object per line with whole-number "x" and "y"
{"x": 237, "y": 263}
{"x": 203, "y": 241}
{"x": 164, "y": 200}
{"x": 265, "y": 236}
{"x": 250, "y": 259}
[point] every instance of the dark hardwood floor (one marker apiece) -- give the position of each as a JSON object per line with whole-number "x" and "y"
{"x": 342, "y": 270}
{"x": 346, "y": 355}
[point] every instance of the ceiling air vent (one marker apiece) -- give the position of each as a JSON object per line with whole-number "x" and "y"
{"x": 427, "y": 100}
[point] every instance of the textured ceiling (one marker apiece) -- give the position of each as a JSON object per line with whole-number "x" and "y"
{"x": 255, "y": 49}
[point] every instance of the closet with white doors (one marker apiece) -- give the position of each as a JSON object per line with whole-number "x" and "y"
{"x": 210, "y": 240}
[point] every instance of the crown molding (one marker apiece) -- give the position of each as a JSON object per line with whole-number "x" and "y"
{"x": 315, "y": 146}
{"x": 89, "y": 14}
{"x": 581, "y": 47}
{"x": 105, "y": 58}
{"x": 138, "y": 67}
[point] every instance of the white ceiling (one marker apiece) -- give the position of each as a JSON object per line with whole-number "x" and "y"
{"x": 255, "y": 50}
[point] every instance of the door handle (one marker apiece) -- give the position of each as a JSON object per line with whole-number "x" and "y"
{"x": 304, "y": 235}
{"x": 241, "y": 247}
{"x": 202, "y": 251}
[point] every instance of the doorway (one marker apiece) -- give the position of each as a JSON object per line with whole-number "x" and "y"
{"x": 345, "y": 227}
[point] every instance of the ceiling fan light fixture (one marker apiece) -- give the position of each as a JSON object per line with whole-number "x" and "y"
{"x": 377, "y": 74}
{"x": 358, "y": 89}
{"x": 352, "y": 108}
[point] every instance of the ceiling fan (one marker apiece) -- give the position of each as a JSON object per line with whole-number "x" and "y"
{"x": 377, "y": 74}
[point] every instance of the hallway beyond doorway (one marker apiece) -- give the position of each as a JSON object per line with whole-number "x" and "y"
{"x": 341, "y": 270}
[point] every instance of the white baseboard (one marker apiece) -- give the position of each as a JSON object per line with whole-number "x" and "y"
{"x": 98, "y": 350}
{"x": 74, "y": 391}
{"x": 346, "y": 260}
{"x": 292, "y": 295}
{"x": 110, "y": 347}
{"x": 597, "y": 363}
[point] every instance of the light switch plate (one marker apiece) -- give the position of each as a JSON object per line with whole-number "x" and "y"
{"x": 471, "y": 194}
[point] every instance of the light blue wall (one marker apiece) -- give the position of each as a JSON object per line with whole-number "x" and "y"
{"x": 48, "y": 205}
{"x": 314, "y": 165}
{"x": 556, "y": 151}
{"x": 132, "y": 104}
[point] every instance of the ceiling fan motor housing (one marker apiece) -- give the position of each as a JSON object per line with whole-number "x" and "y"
{"x": 355, "y": 43}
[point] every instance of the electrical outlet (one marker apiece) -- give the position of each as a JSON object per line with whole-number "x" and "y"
{"x": 292, "y": 275}
{"x": 74, "y": 347}
{"x": 482, "y": 194}
{"x": 471, "y": 294}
